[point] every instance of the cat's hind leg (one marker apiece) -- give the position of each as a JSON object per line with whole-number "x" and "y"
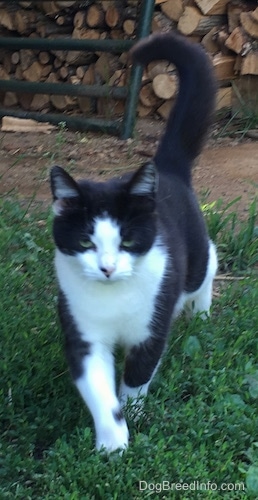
{"x": 96, "y": 385}
{"x": 199, "y": 302}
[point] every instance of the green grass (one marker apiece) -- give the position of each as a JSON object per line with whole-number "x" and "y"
{"x": 236, "y": 240}
{"x": 200, "y": 422}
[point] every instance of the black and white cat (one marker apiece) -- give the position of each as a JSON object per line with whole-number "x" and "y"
{"x": 131, "y": 253}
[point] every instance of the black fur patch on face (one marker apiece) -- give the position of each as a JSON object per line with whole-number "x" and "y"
{"x": 134, "y": 214}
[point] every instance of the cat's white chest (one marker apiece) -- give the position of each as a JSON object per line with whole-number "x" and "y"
{"x": 118, "y": 311}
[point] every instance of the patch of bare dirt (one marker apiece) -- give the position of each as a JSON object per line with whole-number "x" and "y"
{"x": 226, "y": 168}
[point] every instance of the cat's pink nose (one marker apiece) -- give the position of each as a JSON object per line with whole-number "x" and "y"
{"x": 107, "y": 270}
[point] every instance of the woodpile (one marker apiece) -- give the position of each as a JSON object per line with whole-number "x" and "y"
{"x": 66, "y": 19}
{"x": 228, "y": 30}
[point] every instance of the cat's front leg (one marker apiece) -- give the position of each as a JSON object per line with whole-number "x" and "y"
{"x": 96, "y": 385}
{"x": 141, "y": 364}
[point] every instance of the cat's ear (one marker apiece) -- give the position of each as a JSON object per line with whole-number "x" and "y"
{"x": 64, "y": 189}
{"x": 144, "y": 181}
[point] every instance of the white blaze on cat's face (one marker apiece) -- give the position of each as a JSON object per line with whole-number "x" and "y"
{"x": 107, "y": 261}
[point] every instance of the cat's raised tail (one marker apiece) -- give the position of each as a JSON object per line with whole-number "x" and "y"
{"x": 190, "y": 118}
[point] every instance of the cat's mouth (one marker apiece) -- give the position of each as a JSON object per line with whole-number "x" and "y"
{"x": 112, "y": 279}
{"x": 107, "y": 279}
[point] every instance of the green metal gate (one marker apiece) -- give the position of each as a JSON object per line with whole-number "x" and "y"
{"x": 121, "y": 127}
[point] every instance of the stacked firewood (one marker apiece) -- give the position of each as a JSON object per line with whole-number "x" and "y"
{"x": 66, "y": 19}
{"x": 228, "y": 30}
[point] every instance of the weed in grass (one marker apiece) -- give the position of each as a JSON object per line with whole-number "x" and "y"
{"x": 57, "y": 153}
{"x": 200, "y": 421}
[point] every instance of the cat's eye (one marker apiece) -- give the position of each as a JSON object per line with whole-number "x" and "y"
{"x": 127, "y": 243}
{"x": 87, "y": 244}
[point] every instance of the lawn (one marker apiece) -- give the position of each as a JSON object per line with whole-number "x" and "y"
{"x": 198, "y": 434}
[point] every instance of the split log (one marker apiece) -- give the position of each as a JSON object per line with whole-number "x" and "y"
{"x": 73, "y": 79}
{"x": 66, "y": 71}
{"x": 129, "y": 26}
{"x": 60, "y": 102}
{"x": 57, "y": 63}
{"x": 79, "y": 20}
{"x": 193, "y": 22}
{"x": 221, "y": 36}
{"x": 160, "y": 22}
{"x": 118, "y": 79}
{"x": 113, "y": 15}
{"x": 78, "y": 57}
{"x": 44, "y": 57}
{"x": 25, "y": 21}
{"x": 250, "y": 63}
{"x": 250, "y": 23}
{"x": 40, "y": 102}
{"x": 237, "y": 40}
{"x": 64, "y": 20}
{"x": 116, "y": 15}
{"x": 165, "y": 85}
{"x": 11, "y": 124}
{"x": 46, "y": 70}
{"x": 7, "y": 19}
{"x": 254, "y": 14}
{"x": 15, "y": 58}
{"x": 81, "y": 70}
{"x": 233, "y": 14}
{"x": 105, "y": 4}
{"x": 224, "y": 67}
{"x": 211, "y": 7}
{"x": 158, "y": 68}
{"x": 148, "y": 98}
{"x": 210, "y": 42}
{"x": 105, "y": 66}
{"x": 34, "y": 72}
{"x": 27, "y": 57}
{"x": 173, "y": 9}
{"x": 95, "y": 16}
{"x": 223, "y": 98}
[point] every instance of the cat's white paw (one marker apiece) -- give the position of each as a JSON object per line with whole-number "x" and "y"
{"x": 113, "y": 438}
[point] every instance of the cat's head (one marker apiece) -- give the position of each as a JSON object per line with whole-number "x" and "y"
{"x": 107, "y": 226}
